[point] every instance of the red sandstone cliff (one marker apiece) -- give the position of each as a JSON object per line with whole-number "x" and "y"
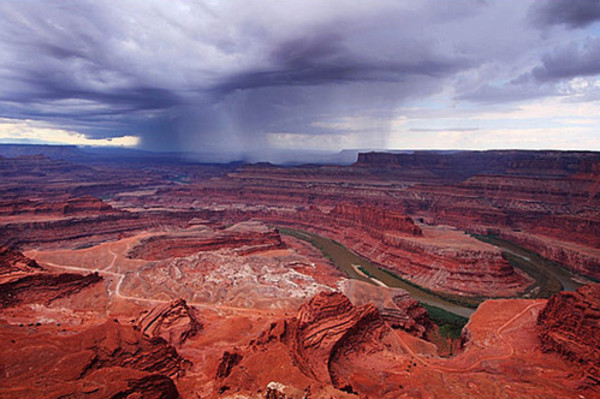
{"x": 84, "y": 230}
{"x": 108, "y": 360}
{"x": 12, "y": 262}
{"x": 73, "y": 206}
{"x": 245, "y": 238}
{"x": 44, "y": 288}
{"x": 570, "y": 326}
{"x": 174, "y": 321}
{"x": 395, "y": 305}
{"x": 372, "y": 218}
{"x": 302, "y": 351}
{"x": 441, "y": 259}
{"x": 461, "y": 164}
{"x": 22, "y": 280}
{"x": 546, "y": 194}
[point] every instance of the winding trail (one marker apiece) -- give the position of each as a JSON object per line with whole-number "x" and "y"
{"x": 112, "y": 263}
{"x": 431, "y": 363}
{"x": 480, "y": 360}
{"x": 121, "y": 278}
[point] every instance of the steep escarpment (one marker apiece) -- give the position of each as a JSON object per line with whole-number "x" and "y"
{"x": 22, "y": 280}
{"x": 73, "y": 206}
{"x": 301, "y": 351}
{"x": 174, "y": 321}
{"x": 13, "y": 262}
{"x": 374, "y": 219}
{"x": 395, "y": 305}
{"x": 40, "y": 178}
{"x": 85, "y": 230}
{"x": 545, "y": 215}
{"x": 578, "y": 257}
{"x": 570, "y": 326}
{"x": 439, "y": 258}
{"x": 543, "y": 194}
{"x": 328, "y": 326}
{"x": 191, "y": 238}
{"x": 244, "y": 238}
{"x": 44, "y": 288}
{"x": 461, "y": 164}
{"x": 108, "y": 360}
{"x": 115, "y": 345}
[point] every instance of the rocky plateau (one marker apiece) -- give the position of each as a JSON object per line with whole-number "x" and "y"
{"x": 173, "y": 279}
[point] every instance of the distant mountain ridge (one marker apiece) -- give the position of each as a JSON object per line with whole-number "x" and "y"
{"x": 464, "y": 164}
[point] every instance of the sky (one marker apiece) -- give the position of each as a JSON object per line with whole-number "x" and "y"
{"x": 256, "y": 77}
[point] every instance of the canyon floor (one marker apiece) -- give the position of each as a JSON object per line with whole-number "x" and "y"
{"x": 467, "y": 275}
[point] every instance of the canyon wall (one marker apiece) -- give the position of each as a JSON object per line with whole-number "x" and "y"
{"x": 546, "y": 195}
{"x": 570, "y": 326}
{"x": 440, "y": 259}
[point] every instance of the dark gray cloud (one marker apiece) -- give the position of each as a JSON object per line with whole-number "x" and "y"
{"x": 522, "y": 89}
{"x": 220, "y": 74}
{"x": 324, "y": 59}
{"x": 550, "y": 78}
{"x": 571, "y": 13}
{"x": 205, "y": 76}
{"x": 570, "y": 61}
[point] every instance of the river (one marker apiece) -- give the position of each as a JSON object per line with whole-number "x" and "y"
{"x": 348, "y": 262}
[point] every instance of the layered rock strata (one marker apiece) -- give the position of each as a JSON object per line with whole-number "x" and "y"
{"x": 395, "y": 305}
{"x": 72, "y": 206}
{"x": 326, "y": 328}
{"x": 85, "y": 230}
{"x": 174, "y": 321}
{"x": 44, "y": 288}
{"x": 441, "y": 258}
{"x": 108, "y": 360}
{"x": 570, "y": 326}
{"x": 374, "y": 220}
{"x": 22, "y": 280}
{"x": 544, "y": 194}
{"x": 13, "y": 262}
{"x": 245, "y": 238}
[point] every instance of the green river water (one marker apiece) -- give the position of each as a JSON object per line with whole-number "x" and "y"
{"x": 549, "y": 276}
{"x": 345, "y": 259}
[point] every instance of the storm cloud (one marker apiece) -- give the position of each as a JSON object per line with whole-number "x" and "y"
{"x": 571, "y": 13}
{"x": 570, "y": 61}
{"x": 245, "y": 77}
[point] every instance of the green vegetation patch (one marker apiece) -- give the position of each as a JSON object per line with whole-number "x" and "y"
{"x": 450, "y": 324}
{"x": 366, "y": 272}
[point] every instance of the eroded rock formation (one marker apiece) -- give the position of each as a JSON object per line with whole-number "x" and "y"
{"x": 244, "y": 238}
{"x": 374, "y": 219}
{"x": 439, "y": 258}
{"x": 395, "y": 305}
{"x": 570, "y": 326}
{"x": 72, "y": 231}
{"x": 174, "y": 321}
{"x": 547, "y": 195}
{"x": 73, "y": 206}
{"x": 22, "y": 280}
{"x": 12, "y": 262}
{"x": 301, "y": 351}
{"x": 108, "y": 360}
{"x": 44, "y": 288}
{"x": 56, "y": 340}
